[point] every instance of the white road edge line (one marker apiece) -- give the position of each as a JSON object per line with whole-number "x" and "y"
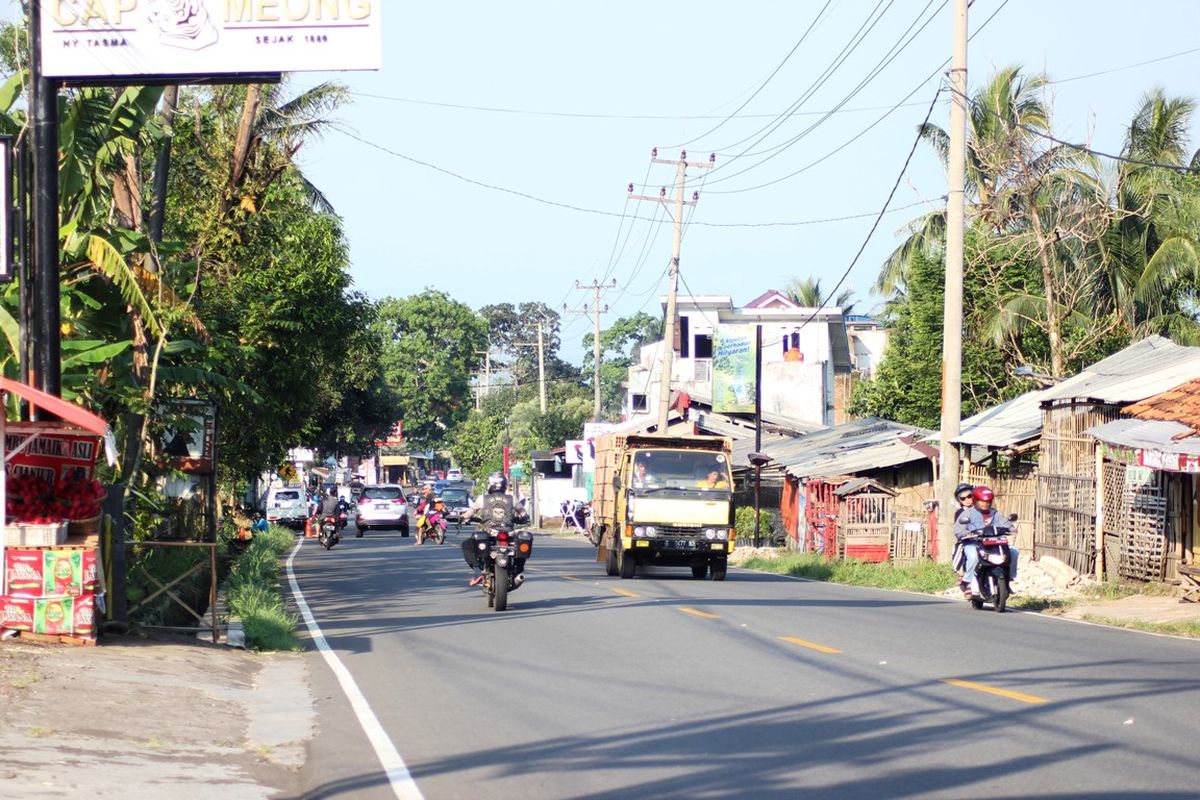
{"x": 401, "y": 780}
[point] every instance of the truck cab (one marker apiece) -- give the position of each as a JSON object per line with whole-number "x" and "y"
{"x": 664, "y": 501}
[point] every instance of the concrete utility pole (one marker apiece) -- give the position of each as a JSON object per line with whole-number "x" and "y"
{"x": 953, "y": 309}
{"x": 681, "y": 165}
{"x": 596, "y": 287}
{"x": 541, "y": 349}
{"x": 487, "y": 374}
{"x": 43, "y": 114}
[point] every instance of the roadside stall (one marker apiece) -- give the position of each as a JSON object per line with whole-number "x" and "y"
{"x": 52, "y": 585}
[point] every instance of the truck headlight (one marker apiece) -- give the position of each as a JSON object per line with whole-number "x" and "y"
{"x": 723, "y": 534}
{"x": 639, "y": 531}
{"x": 651, "y": 530}
{"x": 710, "y": 534}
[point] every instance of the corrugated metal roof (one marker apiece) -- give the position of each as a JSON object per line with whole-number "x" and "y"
{"x": 1148, "y": 435}
{"x": 1141, "y": 370}
{"x": 854, "y": 447}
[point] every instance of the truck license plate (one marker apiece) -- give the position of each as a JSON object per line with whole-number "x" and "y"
{"x": 681, "y": 544}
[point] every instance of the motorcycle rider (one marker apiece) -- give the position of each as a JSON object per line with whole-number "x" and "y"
{"x": 329, "y": 507}
{"x": 981, "y": 516}
{"x": 964, "y": 495}
{"x": 495, "y": 510}
{"x": 423, "y": 505}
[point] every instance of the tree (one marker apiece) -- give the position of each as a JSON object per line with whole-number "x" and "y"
{"x": 512, "y": 337}
{"x": 430, "y": 352}
{"x": 619, "y": 344}
{"x": 807, "y": 292}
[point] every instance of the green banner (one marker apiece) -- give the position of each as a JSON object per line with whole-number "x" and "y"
{"x": 733, "y": 368}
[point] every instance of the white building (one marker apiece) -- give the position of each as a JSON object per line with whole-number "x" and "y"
{"x": 806, "y": 358}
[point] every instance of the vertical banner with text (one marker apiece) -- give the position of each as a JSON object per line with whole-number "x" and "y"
{"x": 733, "y": 369}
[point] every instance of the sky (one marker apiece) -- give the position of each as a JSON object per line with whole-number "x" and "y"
{"x": 565, "y": 100}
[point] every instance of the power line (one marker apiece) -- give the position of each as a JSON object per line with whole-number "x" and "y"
{"x": 762, "y": 85}
{"x": 1181, "y": 168}
{"x": 903, "y": 101}
{"x": 897, "y": 48}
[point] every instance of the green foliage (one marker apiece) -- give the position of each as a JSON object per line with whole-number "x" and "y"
{"x": 431, "y": 347}
{"x": 744, "y": 524}
{"x": 255, "y": 596}
{"x": 926, "y": 577}
{"x": 619, "y": 346}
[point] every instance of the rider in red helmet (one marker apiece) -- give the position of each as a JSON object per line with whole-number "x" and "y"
{"x": 981, "y": 516}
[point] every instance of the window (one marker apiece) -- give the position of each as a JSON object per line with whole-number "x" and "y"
{"x": 684, "y": 338}
{"x": 703, "y": 346}
{"x": 284, "y": 496}
{"x": 382, "y": 493}
{"x": 639, "y": 402}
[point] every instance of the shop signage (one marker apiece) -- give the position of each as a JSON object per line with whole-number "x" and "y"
{"x": 89, "y": 40}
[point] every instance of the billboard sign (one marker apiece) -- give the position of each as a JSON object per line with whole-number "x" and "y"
{"x": 733, "y": 369}
{"x": 97, "y": 40}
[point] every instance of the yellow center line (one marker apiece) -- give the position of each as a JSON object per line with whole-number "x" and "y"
{"x": 1011, "y": 695}
{"x": 626, "y": 593}
{"x": 820, "y": 648}
{"x": 698, "y": 613}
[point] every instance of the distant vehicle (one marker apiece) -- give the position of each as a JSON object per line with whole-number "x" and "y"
{"x": 287, "y": 506}
{"x": 382, "y": 506}
{"x": 454, "y": 475}
{"x": 458, "y": 504}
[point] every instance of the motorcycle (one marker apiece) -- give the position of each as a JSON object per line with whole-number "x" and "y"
{"x": 327, "y": 535}
{"x": 501, "y": 557}
{"x": 435, "y": 523}
{"x": 990, "y": 583}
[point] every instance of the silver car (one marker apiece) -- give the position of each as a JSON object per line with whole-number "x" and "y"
{"x": 382, "y": 506}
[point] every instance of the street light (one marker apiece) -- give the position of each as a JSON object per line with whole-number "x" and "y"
{"x": 757, "y": 460}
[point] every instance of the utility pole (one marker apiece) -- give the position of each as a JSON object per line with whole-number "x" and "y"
{"x": 681, "y": 165}
{"x": 541, "y": 349}
{"x": 596, "y": 288}
{"x": 43, "y": 112}
{"x": 487, "y": 374}
{"x": 953, "y": 309}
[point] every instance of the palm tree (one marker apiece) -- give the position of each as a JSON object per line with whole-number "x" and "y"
{"x": 807, "y": 292}
{"x": 1004, "y": 115}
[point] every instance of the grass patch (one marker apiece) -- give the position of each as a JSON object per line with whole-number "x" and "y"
{"x": 26, "y": 680}
{"x": 1047, "y": 605}
{"x": 1189, "y": 627}
{"x": 1116, "y": 590}
{"x": 926, "y": 577}
{"x": 255, "y": 595}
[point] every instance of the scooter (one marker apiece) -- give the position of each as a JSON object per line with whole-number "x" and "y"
{"x": 989, "y": 584}
{"x": 501, "y": 556}
{"x": 435, "y": 523}
{"x": 328, "y": 535}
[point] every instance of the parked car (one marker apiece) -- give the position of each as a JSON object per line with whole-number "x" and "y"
{"x": 454, "y": 475}
{"x": 287, "y": 505}
{"x": 382, "y": 506}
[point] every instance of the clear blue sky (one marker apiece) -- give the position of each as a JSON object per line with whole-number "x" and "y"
{"x": 411, "y": 227}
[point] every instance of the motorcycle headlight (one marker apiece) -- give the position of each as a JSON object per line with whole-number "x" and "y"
{"x": 483, "y": 545}
{"x": 710, "y": 534}
{"x": 639, "y": 531}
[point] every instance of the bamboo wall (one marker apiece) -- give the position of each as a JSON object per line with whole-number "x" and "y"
{"x": 1015, "y": 485}
{"x": 1066, "y": 483}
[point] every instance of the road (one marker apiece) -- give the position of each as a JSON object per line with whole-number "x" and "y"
{"x": 759, "y": 687}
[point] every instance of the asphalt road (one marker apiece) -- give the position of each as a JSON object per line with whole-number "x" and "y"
{"x": 758, "y": 687}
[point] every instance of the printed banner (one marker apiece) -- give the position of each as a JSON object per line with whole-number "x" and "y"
{"x": 100, "y": 39}
{"x": 52, "y": 455}
{"x": 574, "y": 451}
{"x": 591, "y": 432}
{"x": 733, "y": 369}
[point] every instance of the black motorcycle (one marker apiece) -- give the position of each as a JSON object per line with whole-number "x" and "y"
{"x": 328, "y": 534}
{"x": 990, "y": 585}
{"x": 501, "y": 556}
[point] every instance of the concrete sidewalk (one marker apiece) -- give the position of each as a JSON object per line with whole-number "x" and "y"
{"x": 137, "y": 718}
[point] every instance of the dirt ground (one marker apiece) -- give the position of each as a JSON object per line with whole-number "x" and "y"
{"x": 135, "y": 718}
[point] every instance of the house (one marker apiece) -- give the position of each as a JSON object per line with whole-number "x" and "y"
{"x": 806, "y": 358}
{"x": 1148, "y": 484}
{"x": 1035, "y": 453}
{"x": 869, "y": 473}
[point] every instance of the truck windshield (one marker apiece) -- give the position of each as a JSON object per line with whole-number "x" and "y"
{"x": 680, "y": 469}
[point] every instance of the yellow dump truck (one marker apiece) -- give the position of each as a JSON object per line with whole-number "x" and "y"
{"x": 663, "y": 501}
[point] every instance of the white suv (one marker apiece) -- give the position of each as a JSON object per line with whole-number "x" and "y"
{"x": 382, "y": 506}
{"x": 454, "y": 475}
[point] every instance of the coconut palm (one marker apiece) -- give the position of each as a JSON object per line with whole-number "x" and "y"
{"x": 807, "y": 292}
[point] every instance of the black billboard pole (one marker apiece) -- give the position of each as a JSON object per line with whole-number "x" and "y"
{"x": 43, "y": 112}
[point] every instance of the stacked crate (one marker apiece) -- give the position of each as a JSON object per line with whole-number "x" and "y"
{"x": 52, "y": 591}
